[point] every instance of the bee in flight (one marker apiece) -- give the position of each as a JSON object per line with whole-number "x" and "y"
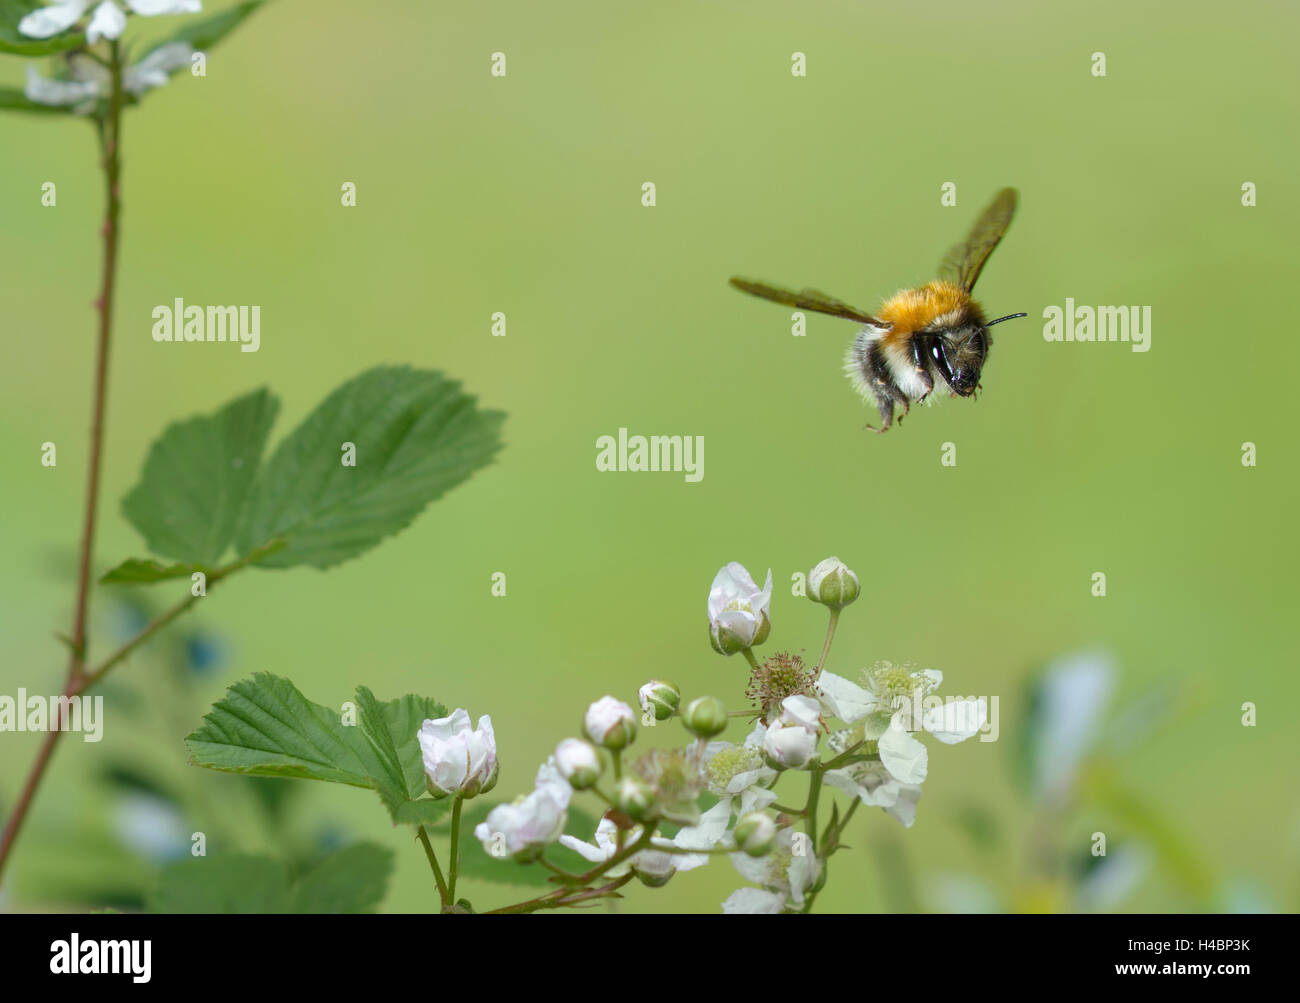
{"x": 918, "y": 334}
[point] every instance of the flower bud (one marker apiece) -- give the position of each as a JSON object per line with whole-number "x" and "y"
{"x": 832, "y": 584}
{"x": 660, "y": 698}
{"x": 633, "y": 797}
{"x": 653, "y": 868}
{"x": 578, "y": 762}
{"x": 458, "y": 759}
{"x": 610, "y": 723}
{"x": 789, "y": 746}
{"x": 705, "y": 717}
{"x": 738, "y": 610}
{"x": 756, "y": 833}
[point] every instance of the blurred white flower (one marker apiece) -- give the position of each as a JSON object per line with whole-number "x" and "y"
{"x": 458, "y": 759}
{"x": 90, "y": 81}
{"x": 82, "y": 90}
{"x": 738, "y": 610}
{"x": 107, "y": 21}
{"x": 151, "y": 826}
{"x": 156, "y": 68}
{"x": 529, "y": 824}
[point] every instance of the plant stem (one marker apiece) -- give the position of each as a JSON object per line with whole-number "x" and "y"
{"x": 455, "y": 848}
{"x": 826, "y": 646}
{"x": 110, "y": 147}
{"x": 437, "y": 871}
{"x": 568, "y": 896}
{"x": 814, "y": 795}
{"x": 749, "y": 657}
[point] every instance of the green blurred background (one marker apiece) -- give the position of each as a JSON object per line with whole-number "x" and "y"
{"x": 522, "y": 195}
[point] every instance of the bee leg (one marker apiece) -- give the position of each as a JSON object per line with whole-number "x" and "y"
{"x": 883, "y": 387}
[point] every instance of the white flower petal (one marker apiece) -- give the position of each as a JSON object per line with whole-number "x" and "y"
{"x": 149, "y": 8}
{"x": 801, "y": 710}
{"x": 904, "y": 809}
{"x": 593, "y": 853}
{"x": 903, "y": 756}
{"x": 108, "y": 21}
{"x": 843, "y": 699}
{"x": 709, "y": 832}
{"x": 47, "y": 21}
{"x": 956, "y": 721}
{"x": 57, "y": 92}
{"x": 753, "y": 901}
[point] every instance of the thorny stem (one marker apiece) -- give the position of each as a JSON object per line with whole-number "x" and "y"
{"x": 562, "y": 897}
{"x": 110, "y": 136}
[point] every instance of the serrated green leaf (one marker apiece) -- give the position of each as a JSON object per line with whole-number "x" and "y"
{"x": 12, "y": 40}
{"x": 350, "y": 880}
{"x": 197, "y": 477}
{"x": 265, "y": 727}
{"x": 224, "y": 883}
{"x": 13, "y": 99}
{"x": 416, "y": 435}
{"x": 392, "y": 728}
{"x": 140, "y": 571}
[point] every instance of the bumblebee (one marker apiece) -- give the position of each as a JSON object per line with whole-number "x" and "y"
{"x": 918, "y": 336}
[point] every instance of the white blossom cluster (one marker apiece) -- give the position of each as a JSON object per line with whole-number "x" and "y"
{"x": 858, "y": 736}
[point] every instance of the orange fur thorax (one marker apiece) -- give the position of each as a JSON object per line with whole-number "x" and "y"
{"x": 914, "y": 310}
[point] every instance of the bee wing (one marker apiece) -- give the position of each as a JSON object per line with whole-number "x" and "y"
{"x": 806, "y": 299}
{"x": 965, "y": 261}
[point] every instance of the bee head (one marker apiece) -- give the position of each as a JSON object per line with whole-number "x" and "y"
{"x": 959, "y": 353}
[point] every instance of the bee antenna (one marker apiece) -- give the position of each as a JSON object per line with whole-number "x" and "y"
{"x": 1010, "y": 316}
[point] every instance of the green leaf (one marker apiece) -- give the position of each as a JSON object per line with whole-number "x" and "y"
{"x": 197, "y": 477}
{"x": 416, "y": 436}
{"x": 13, "y": 99}
{"x": 350, "y": 880}
{"x": 223, "y": 883}
{"x": 207, "y": 32}
{"x": 139, "y": 571}
{"x": 392, "y": 728}
{"x": 265, "y": 727}
{"x": 12, "y": 40}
